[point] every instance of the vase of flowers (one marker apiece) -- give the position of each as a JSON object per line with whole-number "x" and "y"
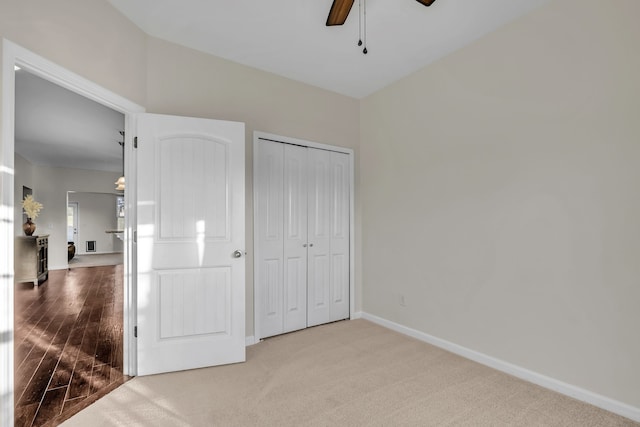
{"x": 31, "y": 209}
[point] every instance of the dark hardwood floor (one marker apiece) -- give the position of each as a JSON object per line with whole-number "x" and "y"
{"x": 68, "y": 343}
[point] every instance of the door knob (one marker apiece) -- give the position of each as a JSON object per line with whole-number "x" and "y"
{"x": 237, "y": 254}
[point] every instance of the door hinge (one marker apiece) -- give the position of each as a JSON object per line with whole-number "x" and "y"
{"x": 135, "y": 331}
{"x": 135, "y": 236}
{"x": 135, "y": 142}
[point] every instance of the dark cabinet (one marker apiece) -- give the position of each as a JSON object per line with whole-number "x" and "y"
{"x": 31, "y": 259}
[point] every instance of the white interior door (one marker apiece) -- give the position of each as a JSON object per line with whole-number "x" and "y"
{"x": 319, "y": 236}
{"x": 295, "y": 237}
{"x": 328, "y": 273}
{"x": 72, "y": 222}
{"x": 190, "y": 243}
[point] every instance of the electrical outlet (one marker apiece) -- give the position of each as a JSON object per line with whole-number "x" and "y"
{"x": 402, "y": 301}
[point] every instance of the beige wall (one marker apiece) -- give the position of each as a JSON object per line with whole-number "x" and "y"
{"x": 88, "y": 37}
{"x": 500, "y": 196}
{"x": 189, "y": 83}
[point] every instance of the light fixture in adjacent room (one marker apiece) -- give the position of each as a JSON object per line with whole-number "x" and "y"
{"x": 120, "y": 182}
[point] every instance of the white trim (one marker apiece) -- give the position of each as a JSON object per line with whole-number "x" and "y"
{"x": 352, "y": 241}
{"x": 295, "y": 141}
{"x": 352, "y": 234}
{"x": 12, "y": 55}
{"x": 6, "y": 237}
{"x": 36, "y": 64}
{"x": 130, "y": 259}
{"x": 578, "y": 393}
{"x": 250, "y": 340}
{"x": 356, "y": 315}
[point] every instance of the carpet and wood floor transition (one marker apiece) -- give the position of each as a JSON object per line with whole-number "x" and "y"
{"x": 350, "y": 373}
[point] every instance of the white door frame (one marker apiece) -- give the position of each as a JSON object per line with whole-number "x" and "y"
{"x": 257, "y": 136}
{"x": 13, "y": 55}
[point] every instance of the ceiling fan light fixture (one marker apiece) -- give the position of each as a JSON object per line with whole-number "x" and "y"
{"x": 120, "y": 184}
{"x": 339, "y": 11}
{"x": 426, "y": 2}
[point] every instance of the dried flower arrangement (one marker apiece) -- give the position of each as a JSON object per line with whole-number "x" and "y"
{"x": 31, "y": 207}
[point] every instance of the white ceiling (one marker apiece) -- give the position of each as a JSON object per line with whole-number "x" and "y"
{"x": 289, "y": 37}
{"x": 59, "y": 128}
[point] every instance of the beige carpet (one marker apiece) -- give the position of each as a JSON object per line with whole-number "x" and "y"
{"x": 351, "y": 373}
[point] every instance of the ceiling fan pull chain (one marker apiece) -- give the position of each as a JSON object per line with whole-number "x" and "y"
{"x": 365, "y": 28}
{"x": 359, "y": 22}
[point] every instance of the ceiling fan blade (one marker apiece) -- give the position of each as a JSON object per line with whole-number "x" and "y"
{"x": 339, "y": 12}
{"x": 426, "y": 2}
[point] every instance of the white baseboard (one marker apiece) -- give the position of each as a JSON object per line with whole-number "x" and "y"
{"x": 97, "y": 253}
{"x": 578, "y": 393}
{"x": 356, "y": 315}
{"x": 251, "y": 340}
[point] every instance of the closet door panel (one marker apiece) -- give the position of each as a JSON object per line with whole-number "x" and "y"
{"x": 302, "y": 232}
{"x": 319, "y": 220}
{"x": 269, "y": 274}
{"x": 339, "y": 211}
{"x": 295, "y": 237}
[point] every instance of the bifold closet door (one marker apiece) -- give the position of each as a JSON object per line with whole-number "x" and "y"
{"x": 328, "y": 236}
{"x": 301, "y": 237}
{"x": 295, "y": 238}
{"x": 269, "y": 224}
{"x": 281, "y": 225}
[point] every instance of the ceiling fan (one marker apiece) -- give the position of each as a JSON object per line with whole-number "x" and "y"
{"x": 340, "y": 10}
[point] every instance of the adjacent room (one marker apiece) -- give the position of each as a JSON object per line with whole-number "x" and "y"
{"x": 440, "y": 229}
{"x": 68, "y": 264}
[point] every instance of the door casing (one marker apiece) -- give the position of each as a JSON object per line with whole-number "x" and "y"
{"x": 257, "y": 136}
{"x": 12, "y": 55}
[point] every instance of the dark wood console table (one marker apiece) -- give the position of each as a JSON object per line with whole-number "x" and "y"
{"x": 31, "y": 259}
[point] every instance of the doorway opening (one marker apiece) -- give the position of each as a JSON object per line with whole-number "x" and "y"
{"x": 68, "y": 330}
{"x": 72, "y": 224}
{"x": 17, "y": 59}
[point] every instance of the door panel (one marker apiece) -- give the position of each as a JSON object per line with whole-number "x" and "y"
{"x": 269, "y": 231}
{"x": 72, "y": 223}
{"x": 188, "y": 164}
{"x": 190, "y": 222}
{"x": 319, "y": 218}
{"x": 340, "y": 206}
{"x": 295, "y": 238}
{"x": 194, "y": 302}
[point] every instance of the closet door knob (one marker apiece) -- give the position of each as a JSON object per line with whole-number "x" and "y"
{"x": 310, "y": 245}
{"x": 304, "y": 245}
{"x": 237, "y": 254}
